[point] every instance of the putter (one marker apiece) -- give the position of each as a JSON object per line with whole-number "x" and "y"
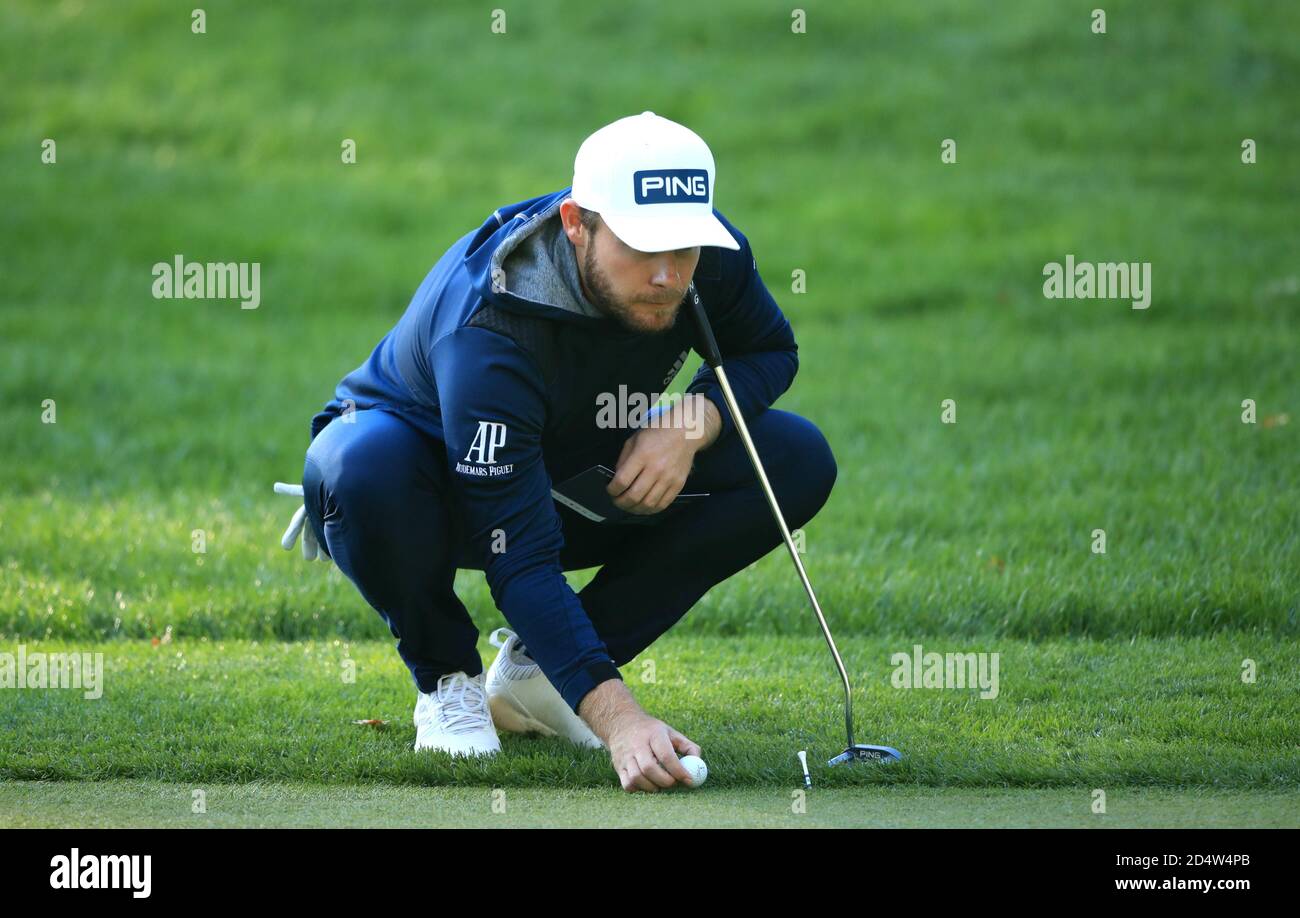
{"x": 855, "y": 752}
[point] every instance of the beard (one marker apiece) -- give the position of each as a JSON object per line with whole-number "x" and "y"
{"x": 603, "y": 296}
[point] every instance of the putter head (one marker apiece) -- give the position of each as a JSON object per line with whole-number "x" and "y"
{"x": 862, "y": 753}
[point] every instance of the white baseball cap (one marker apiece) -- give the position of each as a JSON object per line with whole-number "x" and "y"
{"x": 651, "y": 181}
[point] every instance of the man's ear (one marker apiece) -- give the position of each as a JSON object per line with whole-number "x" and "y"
{"x": 572, "y": 222}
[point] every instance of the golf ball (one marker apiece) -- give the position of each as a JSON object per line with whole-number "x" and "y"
{"x": 695, "y": 766}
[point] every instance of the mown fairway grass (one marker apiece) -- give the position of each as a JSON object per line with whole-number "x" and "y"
{"x": 109, "y": 804}
{"x": 923, "y": 283}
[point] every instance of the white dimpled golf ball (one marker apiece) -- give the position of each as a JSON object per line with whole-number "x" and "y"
{"x": 696, "y": 768}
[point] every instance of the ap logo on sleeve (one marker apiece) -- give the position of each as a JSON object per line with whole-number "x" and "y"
{"x": 481, "y": 460}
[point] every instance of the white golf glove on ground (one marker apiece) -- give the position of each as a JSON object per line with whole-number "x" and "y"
{"x": 311, "y": 549}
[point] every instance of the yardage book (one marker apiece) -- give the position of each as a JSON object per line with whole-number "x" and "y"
{"x": 585, "y": 494}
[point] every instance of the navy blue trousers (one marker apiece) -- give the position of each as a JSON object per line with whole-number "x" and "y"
{"x": 388, "y": 517}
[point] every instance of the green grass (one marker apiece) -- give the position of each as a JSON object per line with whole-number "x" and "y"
{"x": 923, "y": 284}
{"x": 114, "y": 804}
{"x": 1153, "y": 712}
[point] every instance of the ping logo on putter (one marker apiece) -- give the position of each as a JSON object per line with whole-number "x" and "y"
{"x": 670, "y": 186}
{"x": 863, "y": 753}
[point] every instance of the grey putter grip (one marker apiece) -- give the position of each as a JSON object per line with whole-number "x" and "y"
{"x": 707, "y": 343}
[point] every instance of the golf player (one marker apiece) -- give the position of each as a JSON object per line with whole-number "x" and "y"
{"x": 440, "y": 452}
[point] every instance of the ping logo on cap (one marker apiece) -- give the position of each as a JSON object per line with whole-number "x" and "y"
{"x": 670, "y": 186}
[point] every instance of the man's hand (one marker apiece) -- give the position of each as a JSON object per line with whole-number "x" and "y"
{"x": 656, "y": 460}
{"x": 644, "y": 751}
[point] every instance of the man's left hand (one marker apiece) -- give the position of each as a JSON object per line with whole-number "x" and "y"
{"x": 657, "y": 459}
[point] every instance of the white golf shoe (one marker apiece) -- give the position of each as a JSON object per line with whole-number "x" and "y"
{"x": 523, "y": 700}
{"x": 455, "y": 718}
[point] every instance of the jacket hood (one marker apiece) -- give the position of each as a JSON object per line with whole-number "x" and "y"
{"x": 526, "y": 288}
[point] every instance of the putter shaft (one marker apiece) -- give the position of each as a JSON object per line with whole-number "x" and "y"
{"x": 743, "y": 430}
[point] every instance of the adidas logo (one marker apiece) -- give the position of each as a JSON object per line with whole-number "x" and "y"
{"x": 681, "y": 359}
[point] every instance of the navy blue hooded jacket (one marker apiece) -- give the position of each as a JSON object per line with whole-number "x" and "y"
{"x": 497, "y": 361}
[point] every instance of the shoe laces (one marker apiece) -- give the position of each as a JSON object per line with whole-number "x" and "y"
{"x": 514, "y": 664}
{"x": 461, "y": 704}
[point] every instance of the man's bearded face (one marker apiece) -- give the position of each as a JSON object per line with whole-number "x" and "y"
{"x": 642, "y": 291}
